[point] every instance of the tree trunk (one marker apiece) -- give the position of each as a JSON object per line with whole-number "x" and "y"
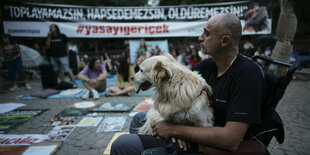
{"x": 286, "y": 29}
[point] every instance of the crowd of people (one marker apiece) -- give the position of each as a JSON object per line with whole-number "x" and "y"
{"x": 57, "y": 51}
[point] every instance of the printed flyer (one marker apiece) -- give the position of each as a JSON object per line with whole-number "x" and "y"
{"x": 60, "y": 133}
{"x": 111, "y": 124}
{"x": 91, "y": 120}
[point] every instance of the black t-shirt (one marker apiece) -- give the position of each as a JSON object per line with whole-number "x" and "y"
{"x": 238, "y": 93}
{"x": 58, "y": 46}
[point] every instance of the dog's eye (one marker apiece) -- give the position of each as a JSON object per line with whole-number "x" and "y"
{"x": 141, "y": 70}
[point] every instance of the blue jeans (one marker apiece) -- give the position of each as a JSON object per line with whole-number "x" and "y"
{"x": 133, "y": 144}
{"x": 15, "y": 66}
{"x": 130, "y": 144}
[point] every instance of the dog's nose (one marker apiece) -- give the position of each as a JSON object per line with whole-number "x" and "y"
{"x": 132, "y": 78}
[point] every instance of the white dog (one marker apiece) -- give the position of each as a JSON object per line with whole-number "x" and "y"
{"x": 180, "y": 95}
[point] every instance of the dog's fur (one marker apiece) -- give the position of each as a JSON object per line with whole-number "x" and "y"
{"x": 176, "y": 93}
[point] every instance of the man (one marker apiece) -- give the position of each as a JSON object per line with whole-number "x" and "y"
{"x": 93, "y": 77}
{"x": 59, "y": 49}
{"x": 237, "y": 84}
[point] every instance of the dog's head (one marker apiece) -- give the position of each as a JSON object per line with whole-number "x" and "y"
{"x": 153, "y": 71}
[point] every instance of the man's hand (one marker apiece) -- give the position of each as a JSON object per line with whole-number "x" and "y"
{"x": 163, "y": 128}
{"x": 182, "y": 143}
{"x": 92, "y": 81}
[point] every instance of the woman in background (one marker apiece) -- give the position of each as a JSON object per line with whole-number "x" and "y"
{"x": 13, "y": 61}
{"x": 195, "y": 58}
{"x": 124, "y": 74}
{"x": 176, "y": 56}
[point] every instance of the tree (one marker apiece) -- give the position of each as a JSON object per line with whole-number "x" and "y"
{"x": 286, "y": 29}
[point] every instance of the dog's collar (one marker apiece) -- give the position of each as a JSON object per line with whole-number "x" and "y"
{"x": 208, "y": 94}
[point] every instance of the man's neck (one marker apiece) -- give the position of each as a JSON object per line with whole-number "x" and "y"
{"x": 224, "y": 60}
{"x": 55, "y": 34}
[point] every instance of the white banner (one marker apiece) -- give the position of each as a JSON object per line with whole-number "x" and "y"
{"x": 114, "y": 30}
{"x": 33, "y": 19}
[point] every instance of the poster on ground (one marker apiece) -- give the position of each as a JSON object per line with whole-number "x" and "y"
{"x": 12, "y": 119}
{"x": 112, "y": 124}
{"x": 91, "y": 120}
{"x": 26, "y": 139}
{"x": 60, "y": 133}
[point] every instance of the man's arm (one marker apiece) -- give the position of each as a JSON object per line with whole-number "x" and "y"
{"x": 67, "y": 48}
{"x": 48, "y": 40}
{"x": 19, "y": 53}
{"x": 102, "y": 76}
{"x": 83, "y": 77}
{"x": 227, "y": 137}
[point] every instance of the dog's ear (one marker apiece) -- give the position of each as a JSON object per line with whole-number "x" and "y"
{"x": 161, "y": 72}
{"x": 169, "y": 56}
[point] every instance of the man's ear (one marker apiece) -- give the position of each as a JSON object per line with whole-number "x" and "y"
{"x": 161, "y": 72}
{"x": 225, "y": 41}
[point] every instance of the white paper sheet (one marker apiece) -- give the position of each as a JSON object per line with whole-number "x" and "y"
{"x": 40, "y": 150}
{"x": 88, "y": 121}
{"x": 6, "y": 107}
{"x": 85, "y": 104}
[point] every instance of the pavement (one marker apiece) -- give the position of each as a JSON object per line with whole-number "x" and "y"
{"x": 294, "y": 109}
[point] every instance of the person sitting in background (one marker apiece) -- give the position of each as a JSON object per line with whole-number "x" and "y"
{"x": 83, "y": 61}
{"x": 176, "y": 56}
{"x": 260, "y": 51}
{"x": 195, "y": 58}
{"x": 186, "y": 56}
{"x": 107, "y": 61}
{"x": 138, "y": 61}
{"x": 268, "y": 52}
{"x": 124, "y": 74}
{"x": 248, "y": 48}
{"x": 93, "y": 77}
{"x": 13, "y": 61}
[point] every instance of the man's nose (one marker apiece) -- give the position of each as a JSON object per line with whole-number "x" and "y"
{"x": 200, "y": 38}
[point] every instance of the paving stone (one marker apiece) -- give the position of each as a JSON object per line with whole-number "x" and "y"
{"x": 85, "y": 148}
{"x": 79, "y": 144}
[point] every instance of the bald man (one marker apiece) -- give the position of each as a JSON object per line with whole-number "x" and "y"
{"x": 237, "y": 84}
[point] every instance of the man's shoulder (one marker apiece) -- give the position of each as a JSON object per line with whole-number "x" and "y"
{"x": 246, "y": 64}
{"x": 204, "y": 64}
{"x": 63, "y": 35}
{"x": 208, "y": 61}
